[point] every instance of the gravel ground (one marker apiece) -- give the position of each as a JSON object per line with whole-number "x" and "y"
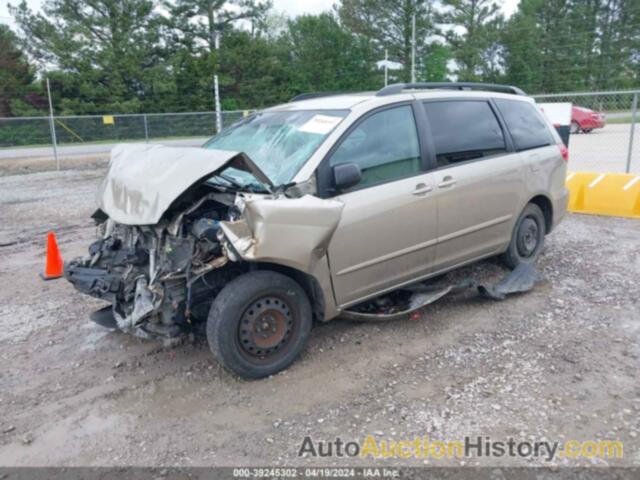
{"x": 558, "y": 363}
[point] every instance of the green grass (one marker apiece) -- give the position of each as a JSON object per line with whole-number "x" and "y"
{"x": 619, "y": 120}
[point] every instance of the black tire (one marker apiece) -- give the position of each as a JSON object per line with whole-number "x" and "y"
{"x": 574, "y": 127}
{"x": 259, "y": 323}
{"x": 527, "y": 239}
{"x": 587, "y": 130}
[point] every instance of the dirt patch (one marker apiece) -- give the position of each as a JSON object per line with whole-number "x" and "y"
{"x": 558, "y": 363}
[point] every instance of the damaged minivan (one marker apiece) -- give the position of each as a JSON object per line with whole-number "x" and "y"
{"x": 303, "y": 212}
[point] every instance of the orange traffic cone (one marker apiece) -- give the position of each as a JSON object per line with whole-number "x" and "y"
{"x": 54, "y": 265}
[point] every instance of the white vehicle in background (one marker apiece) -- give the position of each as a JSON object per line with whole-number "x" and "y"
{"x": 559, "y": 115}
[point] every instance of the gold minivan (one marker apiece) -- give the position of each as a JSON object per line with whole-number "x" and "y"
{"x": 301, "y": 212}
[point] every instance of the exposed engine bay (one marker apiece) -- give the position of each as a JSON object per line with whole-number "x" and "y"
{"x": 174, "y": 229}
{"x": 161, "y": 278}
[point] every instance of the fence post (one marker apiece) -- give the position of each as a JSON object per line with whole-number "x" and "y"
{"x": 634, "y": 112}
{"x": 216, "y": 93}
{"x": 52, "y": 127}
{"x": 146, "y": 128}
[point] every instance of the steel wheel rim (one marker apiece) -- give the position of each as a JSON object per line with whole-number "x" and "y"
{"x": 528, "y": 237}
{"x": 266, "y": 329}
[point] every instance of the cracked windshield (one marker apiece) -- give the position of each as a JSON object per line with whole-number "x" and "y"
{"x": 279, "y": 143}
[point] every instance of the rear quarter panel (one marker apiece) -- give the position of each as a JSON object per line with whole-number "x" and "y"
{"x": 546, "y": 176}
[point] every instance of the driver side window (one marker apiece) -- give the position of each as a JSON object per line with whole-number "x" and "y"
{"x": 384, "y": 146}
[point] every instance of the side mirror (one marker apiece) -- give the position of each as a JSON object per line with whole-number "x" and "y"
{"x": 346, "y": 175}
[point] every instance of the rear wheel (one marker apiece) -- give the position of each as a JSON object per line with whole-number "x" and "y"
{"x": 527, "y": 238}
{"x": 259, "y": 323}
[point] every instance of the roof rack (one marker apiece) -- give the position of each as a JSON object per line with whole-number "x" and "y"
{"x": 400, "y": 87}
{"x": 309, "y": 96}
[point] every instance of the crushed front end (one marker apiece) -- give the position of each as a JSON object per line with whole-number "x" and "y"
{"x": 159, "y": 279}
{"x": 159, "y": 258}
{"x": 175, "y": 228}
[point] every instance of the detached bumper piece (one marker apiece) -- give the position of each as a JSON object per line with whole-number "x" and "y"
{"x": 414, "y": 303}
{"x": 412, "y": 298}
{"x": 522, "y": 279}
{"x": 96, "y": 282}
{"x": 104, "y": 317}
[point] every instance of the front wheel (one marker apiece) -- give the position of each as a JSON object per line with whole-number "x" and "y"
{"x": 259, "y": 323}
{"x": 527, "y": 238}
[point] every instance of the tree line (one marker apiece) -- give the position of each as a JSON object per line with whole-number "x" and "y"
{"x": 128, "y": 56}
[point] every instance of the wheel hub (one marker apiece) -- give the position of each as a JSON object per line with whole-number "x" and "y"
{"x": 265, "y": 327}
{"x": 527, "y": 237}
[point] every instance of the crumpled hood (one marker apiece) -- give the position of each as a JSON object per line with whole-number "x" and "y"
{"x": 144, "y": 180}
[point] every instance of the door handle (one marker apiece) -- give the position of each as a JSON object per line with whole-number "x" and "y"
{"x": 422, "y": 189}
{"x": 447, "y": 182}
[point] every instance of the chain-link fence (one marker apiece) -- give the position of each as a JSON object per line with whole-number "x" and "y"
{"x": 47, "y": 142}
{"x": 19, "y": 131}
{"x": 604, "y": 135}
{"x": 604, "y": 139}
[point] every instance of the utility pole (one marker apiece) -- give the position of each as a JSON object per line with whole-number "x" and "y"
{"x": 413, "y": 49}
{"x": 386, "y": 67}
{"x": 52, "y": 127}
{"x": 216, "y": 88}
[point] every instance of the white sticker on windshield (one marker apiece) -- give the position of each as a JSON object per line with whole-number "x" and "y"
{"x": 320, "y": 124}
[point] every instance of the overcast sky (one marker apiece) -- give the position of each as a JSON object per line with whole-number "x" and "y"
{"x": 291, "y": 7}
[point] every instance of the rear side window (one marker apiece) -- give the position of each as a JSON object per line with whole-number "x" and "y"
{"x": 464, "y": 130}
{"x": 525, "y": 124}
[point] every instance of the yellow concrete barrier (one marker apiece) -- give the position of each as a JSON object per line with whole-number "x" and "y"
{"x": 614, "y": 194}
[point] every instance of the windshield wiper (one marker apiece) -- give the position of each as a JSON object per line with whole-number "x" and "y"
{"x": 230, "y": 180}
{"x": 284, "y": 187}
{"x": 257, "y": 187}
